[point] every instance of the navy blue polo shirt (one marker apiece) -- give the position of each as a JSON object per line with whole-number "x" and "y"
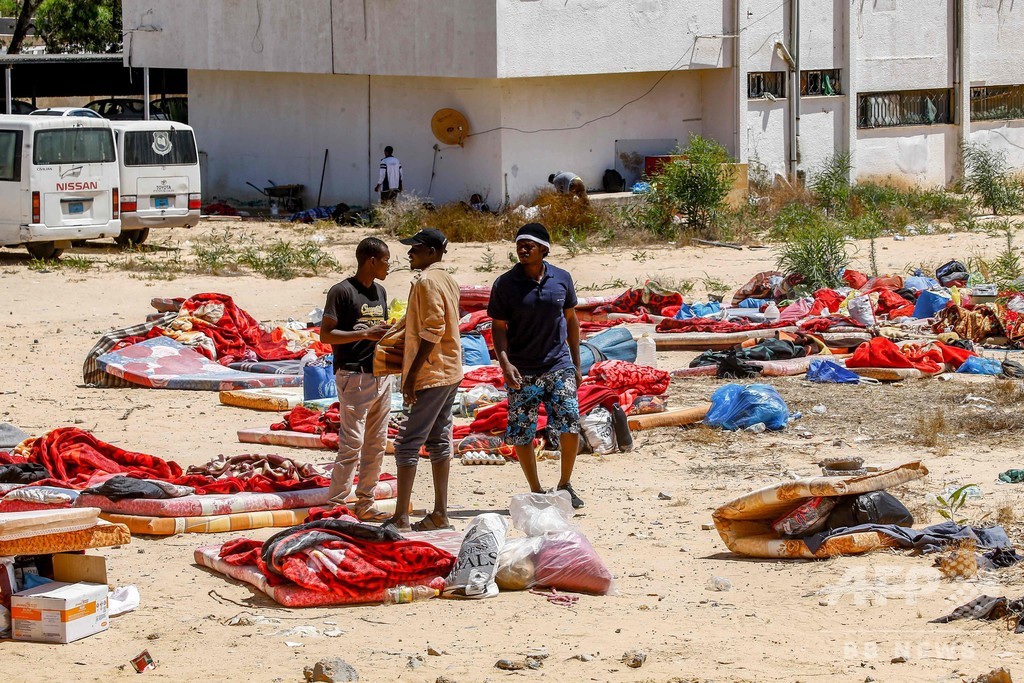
{"x": 535, "y": 313}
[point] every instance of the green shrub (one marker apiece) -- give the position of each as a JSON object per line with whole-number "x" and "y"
{"x": 831, "y": 184}
{"x": 987, "y": 177}
{"x": 817, "y": 251}
{"x": 698, "y": 185}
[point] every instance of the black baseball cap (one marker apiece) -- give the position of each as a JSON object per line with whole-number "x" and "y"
{"x": 428, "y": 237}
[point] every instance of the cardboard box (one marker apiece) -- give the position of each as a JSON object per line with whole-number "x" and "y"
{"x": 59, "y": 612}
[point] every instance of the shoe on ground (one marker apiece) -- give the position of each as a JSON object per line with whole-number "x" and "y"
{"x": 577, "y": 502}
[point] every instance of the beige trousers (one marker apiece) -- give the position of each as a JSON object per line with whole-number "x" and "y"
{"x": 364, "y": 404}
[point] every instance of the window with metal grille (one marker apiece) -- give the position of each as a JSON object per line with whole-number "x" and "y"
{"x": 766, "y": 84}
{"x": 904, "y": 108}
{"x": 997, "y": 102}
{"x": 820, "y": 82}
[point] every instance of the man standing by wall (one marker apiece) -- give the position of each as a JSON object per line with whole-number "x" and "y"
{"x": 537, "y": 342}
{"x": 389, "y": 183}
{"x": 354, "y": 319}
{"x": 431, "y": 373}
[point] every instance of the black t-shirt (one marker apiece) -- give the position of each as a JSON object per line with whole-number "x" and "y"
{"x": 355, "y": 308}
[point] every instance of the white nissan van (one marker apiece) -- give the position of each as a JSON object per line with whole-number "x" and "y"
{"x": 58, "y": 182}
{"x": 159, "y": 165}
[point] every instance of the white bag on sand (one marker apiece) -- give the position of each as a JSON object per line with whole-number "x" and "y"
{"x": 475, "y": 567}
{"x": 599, "y": 431}
{"x": 861, "y": 310}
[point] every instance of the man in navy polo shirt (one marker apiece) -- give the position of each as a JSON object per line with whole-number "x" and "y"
{"x": 537, "y": 342}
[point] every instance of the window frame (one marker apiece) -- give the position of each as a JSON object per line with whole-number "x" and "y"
{"x": 762, "y": 77}
{"x": 835, "y": 75}
{"x": 19, "y": 137}
{"x": 902, "y": 101}
{"x": 985, "y": 92}
{"x": 74, "y": 129}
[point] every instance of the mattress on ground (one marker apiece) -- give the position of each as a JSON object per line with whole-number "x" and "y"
{"x": 99, "y": 535}
{"x": 17, "y": 525}
{"x": 675, "y": 417}
{"x": 714, "y": 341}
{"x": 269, "y": 367}
{"x": 745, "y": 524}
{"x": 296, "y": 596}
{"x": 162, "y": 363}
{"x": 282, "y": 437}
{"x": 844, "y": 340}
{"x": 893, "y": 374}
{"x": 272, "y": 398}
{"x": 224, "y": 503}
{"x": 214, "y": 524}
{"x": 789, "y": 367}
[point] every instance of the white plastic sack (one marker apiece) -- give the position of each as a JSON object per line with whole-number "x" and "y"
{"x": 121, "y": 600}
{"x": 45, "y": 495}
{"x": 861, "y": 310}
{"x": 598, "y": 431}
{"x": 5, "y": 622}
{"x": 477, "y": 562}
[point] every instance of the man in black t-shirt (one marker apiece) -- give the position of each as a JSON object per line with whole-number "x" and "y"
{"x": 355, "y": 317}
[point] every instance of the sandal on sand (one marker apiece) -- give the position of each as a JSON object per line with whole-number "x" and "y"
{"x": 372, "y": 515}
{"x": 428, "y": 524}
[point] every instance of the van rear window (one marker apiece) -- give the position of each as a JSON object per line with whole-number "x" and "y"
{"x": 159, "y": 148}
{"x": 10, "y": 155}
{"x": 73, "y": 146}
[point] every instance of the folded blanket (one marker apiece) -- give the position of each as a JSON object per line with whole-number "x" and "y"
{"x": 716, "y": 326}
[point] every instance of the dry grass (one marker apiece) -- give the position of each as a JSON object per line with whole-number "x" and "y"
{"x": 459, "y": 223}
{"x": 1006, "y": 512}
{"x": 704, "y": 435}
{"x": 931, "y": 427}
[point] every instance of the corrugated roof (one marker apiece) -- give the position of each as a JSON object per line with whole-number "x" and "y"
{"x": 84, "y": 58}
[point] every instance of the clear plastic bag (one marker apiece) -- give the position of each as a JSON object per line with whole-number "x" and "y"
{"x": 555, "y": 553}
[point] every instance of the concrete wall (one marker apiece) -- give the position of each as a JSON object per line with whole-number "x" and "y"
{"x": 996, "y": 47}
{"x": 254, "y": 127}
{"x": 448, "y": 38}
{"x": 925, "y": 155}
{"x": 229, "y": 35}
{"x": 1006, "y": 136}
{"x": 555, "y": 37}
{"x": 903, "y": 45}
{"x": 672, "y": 110}
{"x": 766, "y": 137}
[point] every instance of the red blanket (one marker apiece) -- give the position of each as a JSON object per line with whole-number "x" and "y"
{"x": 493, "y": 419}
{"x": 489, "y": 374}
{"x": 825, "y": 324}
{"x": 642, "y": 300}
{"x": 75, "y": 458}
{"x": 717, "y": 326}
{"x": 620, "y": 375}
{"x": 882, "y": 353}
{"x": 338, "y": 556}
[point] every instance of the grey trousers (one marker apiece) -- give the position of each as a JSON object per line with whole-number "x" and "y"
{"x": 364, "y": 405}
{"x": 429, "y": 423}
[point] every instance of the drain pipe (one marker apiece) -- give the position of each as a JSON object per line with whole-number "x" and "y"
{"x": 794, "y": 108}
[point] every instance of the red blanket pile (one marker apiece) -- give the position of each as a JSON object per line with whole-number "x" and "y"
{"x": 494, "y": 419}
{"x": 356, "y": 562}
{"x": 76, "y": 459}
{"x": 629, "y": 380}
{"x": 716, "y": 326}
{"x": 648, "y": 299}
{"x": 308, "y": 421}
{"x": 882, "y": 353}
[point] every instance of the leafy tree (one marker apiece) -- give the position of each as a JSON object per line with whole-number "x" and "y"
{"x": 24, "y": 9}
{"x": 699, "y": 184}
{"x": 80, "y": 25}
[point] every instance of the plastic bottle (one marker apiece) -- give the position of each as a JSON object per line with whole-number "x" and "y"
{"x": 399, "y": 595}
{"x": 646, "y": 351}
{"x": 772, "y": 313}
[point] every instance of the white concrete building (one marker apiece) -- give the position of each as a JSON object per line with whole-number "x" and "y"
{"x": 585, "y": 85}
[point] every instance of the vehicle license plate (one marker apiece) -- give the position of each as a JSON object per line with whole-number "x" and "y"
{"x": 161, "y": 202}
{"x": 76, "y": 207}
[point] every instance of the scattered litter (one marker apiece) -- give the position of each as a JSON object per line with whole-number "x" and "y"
{"x": 819, "y": 410}
{"x": 143, "y": 661}
{"x": 664, "y": 496}
{"x": 301, "y": 631}
{"x": 634, "y": 659}
{"x": 292, "y": 643}
{"x": 333, "y": 670}
{"x": 719, "y": 583}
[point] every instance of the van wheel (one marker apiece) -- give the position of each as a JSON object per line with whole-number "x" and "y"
{"x": 43, "y": 250}
{"x": 131, "y": 238}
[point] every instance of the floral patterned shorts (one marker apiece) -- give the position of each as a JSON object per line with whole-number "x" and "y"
{"x": 557, "y": 390}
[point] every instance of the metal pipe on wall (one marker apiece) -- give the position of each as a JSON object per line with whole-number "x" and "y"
{"x": 145, "y": 93}
{"x": 794, "y": 103}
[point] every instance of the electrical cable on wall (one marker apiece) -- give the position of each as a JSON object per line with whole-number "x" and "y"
{"x": 663, "y": 76}
{"x": 256, "y": 36}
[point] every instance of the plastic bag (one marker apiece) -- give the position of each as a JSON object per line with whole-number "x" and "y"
{"x": 976, "y": 365}
{"x": 806, "y": 519}
{"x": 828, "y": 372}
{"x": 598, "y": 431}
{"x": 555, "y": 553}
{"x": 123, "y": 599}
{"x": 929, "y": 303}
{"x": 481, "y": 442}
{"x": 480, "y": 396}
{"x": 473, "y": 574}
{"x": 645, "y": 405}
{"x": 736, "y": 406}
{"x": 474, "y": 350}
{"x": 318, "y": 379}
{"x": 861, "y": 310}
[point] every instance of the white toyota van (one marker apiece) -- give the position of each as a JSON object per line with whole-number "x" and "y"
{"x": 160, "y": 188}
{"x": 58, "y": 182}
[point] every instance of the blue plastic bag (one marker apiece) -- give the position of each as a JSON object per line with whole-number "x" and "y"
{"x": 737, "y": 406}
{"x": 642, "y": 187}
{"x": 976, "y": 365}
{"x": 698, "y": 310}
{"x": 318, "y": 379}
{"x": 474, "y": 350}
{"x": 929, "y": 303}
{"x": 825, "y": 371}
{"x": 754, "y": 303}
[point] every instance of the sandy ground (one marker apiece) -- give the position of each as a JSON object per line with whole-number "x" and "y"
{"x": 844, "y": 619}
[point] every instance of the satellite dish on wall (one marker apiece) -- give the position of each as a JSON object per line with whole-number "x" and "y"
{"x": 449, "y": 126}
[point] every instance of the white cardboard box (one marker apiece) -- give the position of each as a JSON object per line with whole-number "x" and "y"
{"x": 59, "y": 612}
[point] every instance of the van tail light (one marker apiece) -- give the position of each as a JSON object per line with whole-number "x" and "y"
{"x": 195, "y": 202}
{"x": 129, "y": 204}
{"x": 115, "y": 203}
{"x": 35, "y": 208}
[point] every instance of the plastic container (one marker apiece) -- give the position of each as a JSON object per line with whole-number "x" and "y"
{"x": 646, "y": 351}
{"x": 772, "y": 312}
{"x": 400, "y": 595}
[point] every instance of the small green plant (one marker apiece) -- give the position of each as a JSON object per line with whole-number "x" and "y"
{"x": 817, "y": 251}
{"x": 714, "y": 285}
{"x": 42, "y": 265}
{"x": 949, "y": 505}
{"x": 831, "y": 184}
{"x": 640, "y": 255}
{"x": 215, "y": 253}
{"x": 78, "y": 263}
{"x": 987, "y": 177}
{"x": 487, "y": 262}
{"x": 576, "y": 243}
{"x": 1006, "y": 266}
{"x": 699, "y": 184}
